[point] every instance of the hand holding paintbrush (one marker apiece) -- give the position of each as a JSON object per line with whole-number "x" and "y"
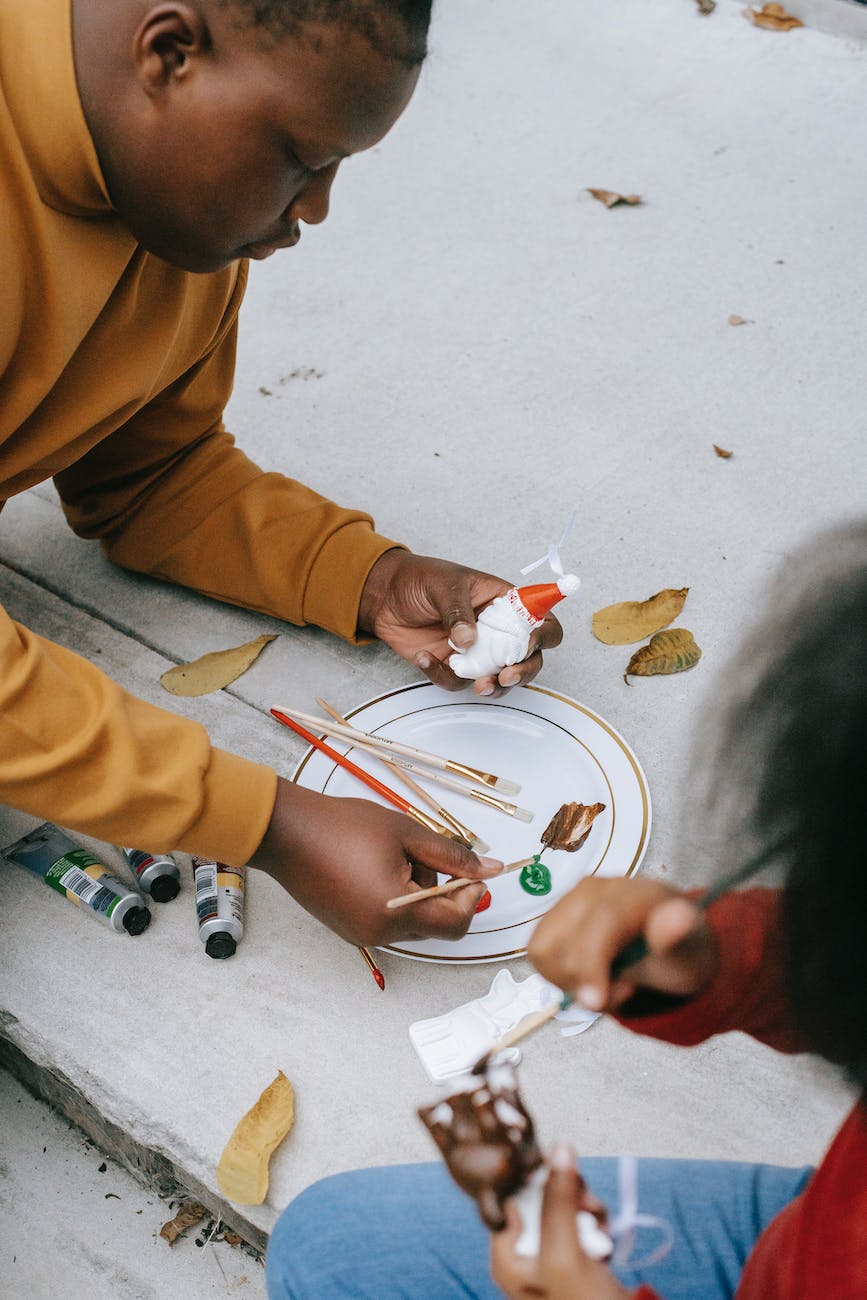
{"x": 605, "y": 927}
{"x": 361, "y": 855}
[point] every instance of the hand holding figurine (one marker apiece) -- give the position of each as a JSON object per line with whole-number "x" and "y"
{"x": 342, "y": 859}
{"x": 418, "y": 605}
{"x": 561, "y": 1270}
{"x": 575, "y": 943}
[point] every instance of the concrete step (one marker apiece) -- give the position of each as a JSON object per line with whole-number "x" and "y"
{"x": 76, "y": 1225}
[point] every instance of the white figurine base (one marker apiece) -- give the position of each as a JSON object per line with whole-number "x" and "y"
{"x": 594, "y": 1242}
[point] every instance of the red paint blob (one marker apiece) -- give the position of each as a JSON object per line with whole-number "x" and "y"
{"x": 484, "y": 902}
{"x": 380, "y": 978}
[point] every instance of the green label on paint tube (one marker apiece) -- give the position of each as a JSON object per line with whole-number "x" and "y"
{"x": 68, "y": 876}
{"x": 74, "y": 858}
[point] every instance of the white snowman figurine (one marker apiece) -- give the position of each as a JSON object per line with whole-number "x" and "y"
{"x": 503, "y": 628}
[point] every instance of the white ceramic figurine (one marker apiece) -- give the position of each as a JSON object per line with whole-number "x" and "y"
{"x": 503, "y": 627}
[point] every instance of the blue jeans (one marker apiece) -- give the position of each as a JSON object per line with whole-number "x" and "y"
{"x": 406, "y": 1232}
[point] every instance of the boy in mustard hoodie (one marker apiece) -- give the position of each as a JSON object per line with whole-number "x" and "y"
{"x": 148, "y": 151}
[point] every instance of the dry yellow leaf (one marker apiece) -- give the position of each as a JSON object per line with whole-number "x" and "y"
{"x": 214, "y": 671}
{"x": 186, "y": 1216}
{"x": 773, "y": 17}
{"x": 738, "y": 320}
{"x": 611, "y": 198}
{"x": 668, "y": 652}
{"x": 721, "y": 452}
{"x": 242, "y": 1174}
{"x": 633, "y": 620}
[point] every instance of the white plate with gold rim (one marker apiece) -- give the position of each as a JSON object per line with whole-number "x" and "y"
{"x": 558, "y": 750}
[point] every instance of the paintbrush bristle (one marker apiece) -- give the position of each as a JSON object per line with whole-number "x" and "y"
{"x": 523, "y": 815}
{"x": 479, "y": 846}
{"x": 507, "y": 787}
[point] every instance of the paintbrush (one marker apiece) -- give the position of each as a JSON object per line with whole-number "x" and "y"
{"x": 470, "y": 838}
{"x": 633, "y": 953}
{"x": 372, "y": 782}
{"x": 449, "y": 885}
{"x": 373, "y": 745}
{"x": 372, "y": 966}
{"x": 409, "y": 751}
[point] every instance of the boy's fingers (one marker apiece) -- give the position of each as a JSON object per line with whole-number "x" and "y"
{"x": 670, "y": 923}
{"x": 448, "y": 916}
{"x": 561, "y": 1258}
{"x": 517, "y": 674}
{"x": 438, "y": 672}
{"x": 509, "y": 1270}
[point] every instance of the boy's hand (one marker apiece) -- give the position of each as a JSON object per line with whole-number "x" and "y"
{"x": 575, "y": 943}
{"x": 561, "y": 1270}
{"x": 342, "y": 859}
{"x": 416, "y": 604}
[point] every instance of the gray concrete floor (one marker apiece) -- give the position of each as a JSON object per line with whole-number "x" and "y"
{"x": 471, "y": 347}
{"x": 76, "y": 1226}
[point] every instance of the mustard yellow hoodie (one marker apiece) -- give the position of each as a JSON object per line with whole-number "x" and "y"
{"x": 114, "y": 371}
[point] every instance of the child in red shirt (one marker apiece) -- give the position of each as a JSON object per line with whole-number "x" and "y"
{"x": 788, "y": 966}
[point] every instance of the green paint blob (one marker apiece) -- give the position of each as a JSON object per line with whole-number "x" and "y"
{"x": 536, "y": 879}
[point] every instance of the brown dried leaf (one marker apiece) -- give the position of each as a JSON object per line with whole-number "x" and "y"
{"x": 633, "y": 620}
{"x": 706, "y": 6}
{"x": 214, "y": 671}
{"x": 570, "y": 826}
{"x": 186, "y": 1216}
{"x": 242, "y": 1173}
{"x": 721, "y": 452}
{"x": 668, "y": 652}
{"x": 734, "y": 319}
{"x": 611, "y": 198}
{"x": 773, "y": 17}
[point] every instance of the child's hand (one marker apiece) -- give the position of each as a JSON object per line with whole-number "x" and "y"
{"x": 561, "y": 1270}
{"x": 342, "y": 859}
{"x": 575, "y": 943}
{"x": 416, "y": 604}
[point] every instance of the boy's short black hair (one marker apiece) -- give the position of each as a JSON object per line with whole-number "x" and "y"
{"x": 793, "y": 769}
{"x": 374, "y": 19}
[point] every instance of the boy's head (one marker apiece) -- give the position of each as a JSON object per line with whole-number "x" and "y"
{"x": 220, "y": 124}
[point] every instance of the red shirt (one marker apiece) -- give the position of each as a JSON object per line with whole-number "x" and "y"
{"x": 816, "y": 1248}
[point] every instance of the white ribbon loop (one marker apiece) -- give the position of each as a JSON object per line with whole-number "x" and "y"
{"x": 552, "y": 555}
{"x": 622, "y": 1227}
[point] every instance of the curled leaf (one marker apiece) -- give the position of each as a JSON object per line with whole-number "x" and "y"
{"x": 633, "y": 620}
{"x": 214, "y": 671}
{"x": 242, "y": 1174}
{"x": 721, "y": 452}
{"x": 570, "y": 825}
{"x": 186, "y": 1216}
{"x": 773, "y": 17}
{"x": 611, "y": 198}
{"x": 672, "y": 651}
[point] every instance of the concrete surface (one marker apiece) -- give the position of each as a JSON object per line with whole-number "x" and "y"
{"x": 471, "y": 347}
{"x": 65, "y": 1207}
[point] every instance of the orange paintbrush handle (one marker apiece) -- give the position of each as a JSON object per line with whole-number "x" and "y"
{"x": 391, "y": 795}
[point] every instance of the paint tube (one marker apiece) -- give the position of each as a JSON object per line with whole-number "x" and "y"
{"x": 219, "y": 905}
{"x": 156, "y": 874}
{"x": 74, "y": 871}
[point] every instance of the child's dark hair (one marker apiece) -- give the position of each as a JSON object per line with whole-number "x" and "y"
{"x": 397, "y": 29}
{"x": 795, "y": 750}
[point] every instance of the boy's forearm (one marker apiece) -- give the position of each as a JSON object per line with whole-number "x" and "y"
{"x": 78, "y": 750}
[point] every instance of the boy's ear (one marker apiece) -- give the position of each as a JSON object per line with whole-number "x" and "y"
{"x": 167, "y": 42}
